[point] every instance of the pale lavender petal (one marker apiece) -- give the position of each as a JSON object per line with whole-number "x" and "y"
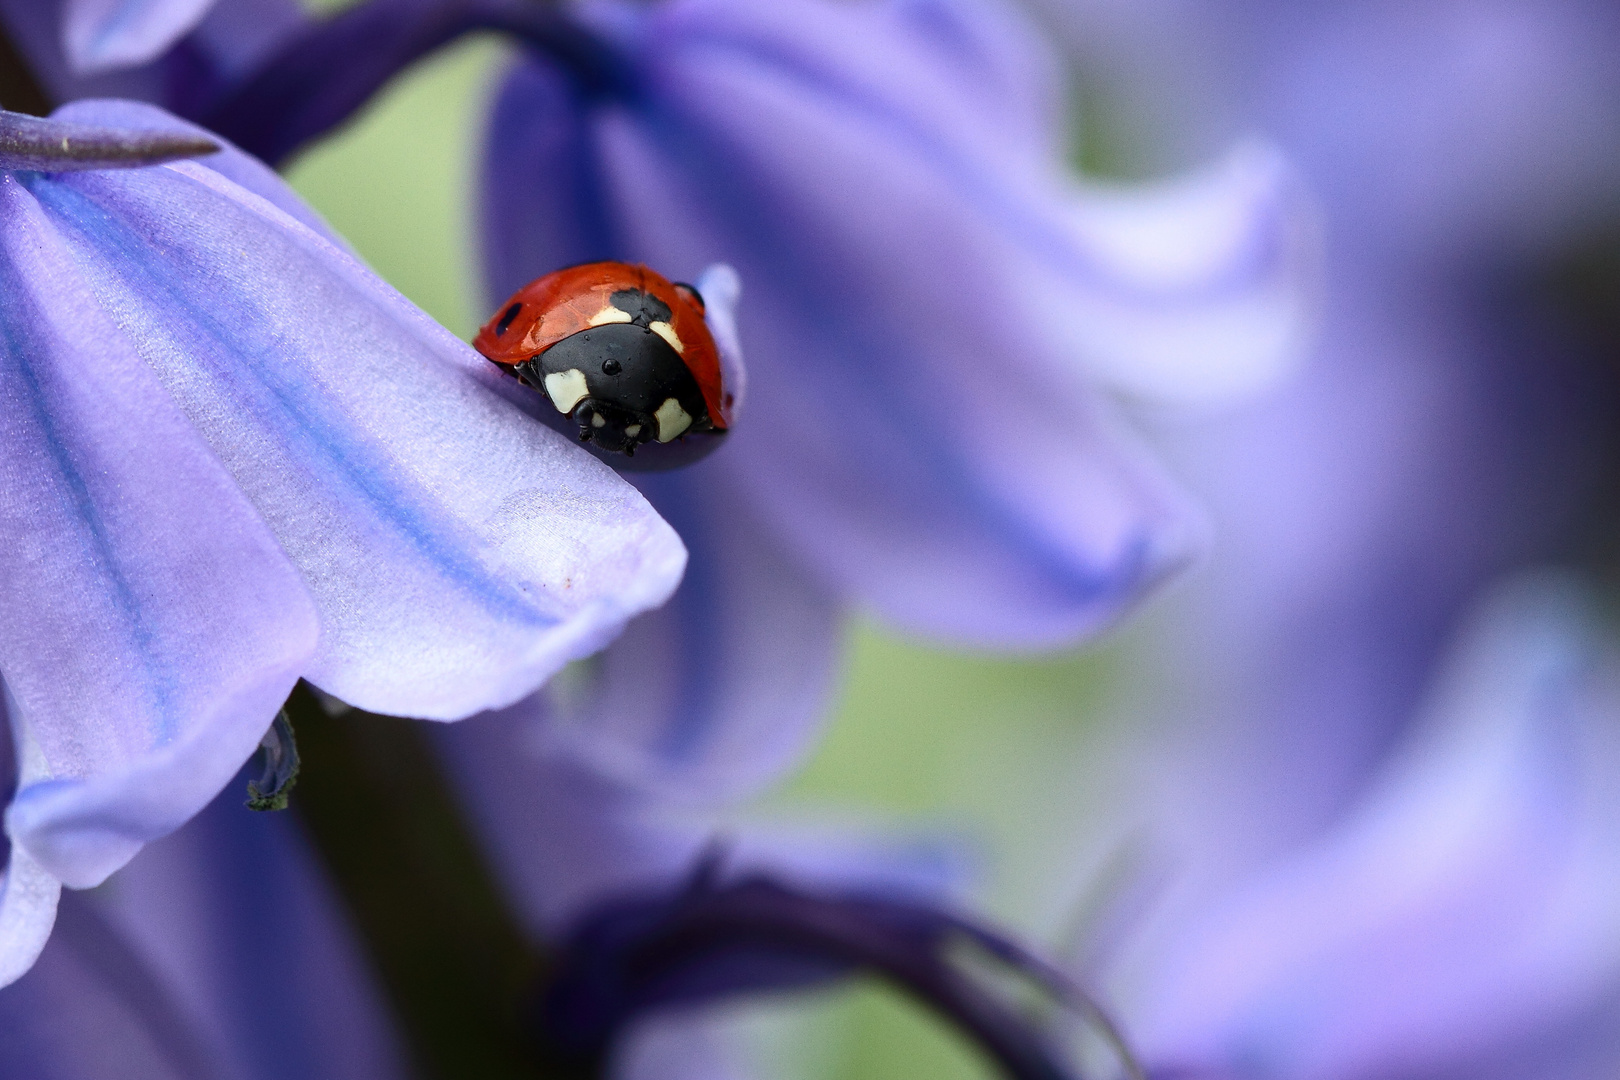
{"x": 718, "y": 692}
{"x": 721, "y": 289}
{"x": 28, "y": 901}
{"x": 991, "y": 504}
{"x": 559, "y": 834}
{"x": 93, "y": 1007}
{"x": 930, "y": 298}
{"x": 240, "y": 168}
{"x": 104, "y": 35}
{"x": 1223, "y": 261}
{"x": 458, "y": 552}
{"x": 1464, "y": 904}
{"x": 232, "y": 37}
{"x": 234, "y": 914}
{"x": 1003, "y": 74}
{"x": 152, "y": 624}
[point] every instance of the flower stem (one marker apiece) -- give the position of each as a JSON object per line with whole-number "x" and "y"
{"x": 449, "y": 953}
{"x": 326, "y": 74}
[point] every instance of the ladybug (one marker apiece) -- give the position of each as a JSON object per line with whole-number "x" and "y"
{"x": 624, "y": 354}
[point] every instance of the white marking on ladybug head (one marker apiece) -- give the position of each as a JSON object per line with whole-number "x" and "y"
{"x": 672, "y": 420}
{"x": 633, "y": 430}
{"x": 598, "y": 420}
{"x": 566, "y": 389}
{"x": 667, "y": 332}
{"x": 609, "y": 314}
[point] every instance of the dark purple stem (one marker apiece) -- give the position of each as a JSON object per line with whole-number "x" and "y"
{"x": 323, "y": 76}
{"x": 756, "y": 935}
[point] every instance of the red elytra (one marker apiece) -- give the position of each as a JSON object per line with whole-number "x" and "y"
{"x": 569, "y": 301}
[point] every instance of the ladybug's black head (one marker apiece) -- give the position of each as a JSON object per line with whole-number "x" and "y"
{"x": 621, "y": 385}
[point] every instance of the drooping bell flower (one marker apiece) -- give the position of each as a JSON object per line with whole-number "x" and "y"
{"x": 221, "y": 954}
{"x": 1458, "y": 918}
{"x": 939, "y": 315}
{"x": 234, "y": 458}
{"x": 173, "y": 53}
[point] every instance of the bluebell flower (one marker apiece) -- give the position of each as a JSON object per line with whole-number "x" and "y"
{"x": 103, "y": 35}
{"x": 1449, "y": 422}
{"x": 962, "y": 474}
{"x": 1450, "y": 425}
{"x": 235, "y": 458}
{"x": 1458, "y": 919}
{"x": 220, "y": 953}
{"x": 174, "y": 53}
{"x": 937, "y": 319}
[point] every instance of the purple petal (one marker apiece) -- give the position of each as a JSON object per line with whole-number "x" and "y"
{"x": 94, "y": 1007}
{"x": 1230, "y": 251}
{"x": 232, "y": 37}
{"x": 458, "y": 552}
{"x": 929, "y": 297}
{"x": 235, "y": 915}
{"x": 242, "y": 169}
{"x": 28, "y": 900}
{"x": 718, "y": 692}
{"x": 154, "y": 625}
{"x": 104, "y": 35}
{"x": 1464, "y": 904}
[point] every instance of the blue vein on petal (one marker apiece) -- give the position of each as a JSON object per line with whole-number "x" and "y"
{"x": 885, "y": 384}
{"x": 1040, "y": 235}
{"x": 691, "y": 149}
{"x": 15, "y": 312}
{"x": 696, "y": 607}
{"x": 347, "y": 457}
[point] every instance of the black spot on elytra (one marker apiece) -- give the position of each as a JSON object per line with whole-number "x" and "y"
{"x": 643, "y": 308}
{"x": 506, "y": 319}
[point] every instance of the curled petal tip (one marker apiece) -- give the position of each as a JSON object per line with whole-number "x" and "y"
{"x": 42, "y": 145}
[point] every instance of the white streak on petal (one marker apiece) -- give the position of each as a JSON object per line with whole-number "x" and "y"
{"x": 28, "y": 892}
{"x": 1215, "y": 281}
{"x": 28, "y": 895}
{"x": 105, "y": 35}
{"x": 722, "y": 288}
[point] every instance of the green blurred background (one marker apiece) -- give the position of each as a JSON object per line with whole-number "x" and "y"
{"x": 985, "y": 749}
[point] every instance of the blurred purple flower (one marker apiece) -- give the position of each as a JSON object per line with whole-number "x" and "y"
{"x": 102, "y": 35}
{"x": 174, "y": 53}
{"x": 1413, "y": 903}
{"x": 1460, "y": 912}
{"x": 935, "y": 310}
{"x": 234, "y": 457}
{"x": 1452, "y": 424}
{"x": 219, "y": 955}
